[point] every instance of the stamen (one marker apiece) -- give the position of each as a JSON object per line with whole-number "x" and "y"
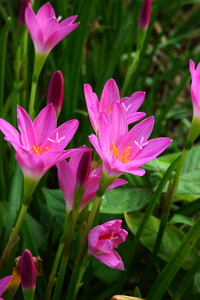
{"x": 57, "y": 139}
{"x": 45, "y": 150}
{"x": 109, "y": 110}
{"x": 115, "y": 152}
{"x": 125, "y": 155}
{"x": 36, "y": 149}
{"x": 124, "y": 106}
{"x": 141, "y": 144}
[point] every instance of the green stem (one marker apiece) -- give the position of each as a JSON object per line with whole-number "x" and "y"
{"x": 186, "y": 281}
{"x": 32, "y": 97}
{"x": 92, "y": 213}
{"x": 13, "y": 239}
{"x": 175, "y": 263}
{"x": 147, "y": 214}
{"x": 57, "y": 260}
{"x": 73, "y": 216}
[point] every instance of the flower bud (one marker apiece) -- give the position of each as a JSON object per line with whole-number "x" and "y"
{"x": 84, "y": 169}
{"x": 55, "y": 91}
{"x": 145, "y": 14}
{"x": 23, "y": 6}
{"x": 28, "y": 275}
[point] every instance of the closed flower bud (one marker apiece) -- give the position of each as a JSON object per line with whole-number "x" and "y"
{"x": 84, "y": 169}
{"x": 55, "y": 91}
{"x": 23, "y": 6}
{"x": 145, "y": 14}
{"x": 28, "y": 275}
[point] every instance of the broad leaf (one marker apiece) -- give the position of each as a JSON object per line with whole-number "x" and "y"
{"x": 171, "y": 239}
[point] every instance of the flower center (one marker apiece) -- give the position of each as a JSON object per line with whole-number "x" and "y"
{"x": 115, "y": 153}
{"x": 37, "y": 149}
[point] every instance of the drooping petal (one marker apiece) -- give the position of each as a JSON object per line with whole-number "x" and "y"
{"x": 34, "y": 28}
{"x": 110, "y": 96}
{"x": 112, "y": 259}
{"x": 28, "y": 135}
{"x": 31, "y": 164}
{"x": 66, "y": 180}
{"x": 57, "y": 36}
{"x": 45, "y": 123}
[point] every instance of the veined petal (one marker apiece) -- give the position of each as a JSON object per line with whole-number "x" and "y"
{"x": 96, "y": 144}
{"x": 66, "y": 180}
{"x": 31, "y": 164}
{"x": 45, "y": 123}
{"x": 119, "y": 127}
{"x": 9, "y": 131}
{"x": 104, "y": 131}
{"x": 57, "y": 36}
{"x": 60, "y": 137}
{"x": 28, "y": 135}
{"x": 92, "y": 103}
{"x": 45, "y": 12}
{"x": 67, "y": 21}
{"x": 33, "y": 28}
{"x": 135, "y": 117}
{"x": 110, "y": 96}
{"x": 153, "y": 148}
{"x": 133, "y": 103}
{"x": 112, "y": 259}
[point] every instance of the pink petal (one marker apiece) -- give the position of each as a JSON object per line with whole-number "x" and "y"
{"x": 45, "y": 123}
{"x": 60, "y": 137}
{"x": 9, "y": 131}
{"x": 112, "y": 260}
{"x": 104, "y": 131}
{"x": 96, "y": 144}
{"x": 34, "y": 28}
{"x": 133, "y": 103}
{"x": 44, "y": 13}
{"x": 116, "y": 183}
{"x": 66, "y": 178}
{"x": 104, "y": 246}
{"x": 28, "y": 135}
{"x": 154, "y": 148}
{"x": 119, "y": 127}
{"x": 67, "y": 21}
{"x": 50, "y": 27}
{"x": 135, "y": 117}
{"x": 92, "y": 103}
{"x": 110, "y": 96}
{"x": 3, "y": 283}
{"x": 31, "y": 164}
{"x": 57, "y": 36}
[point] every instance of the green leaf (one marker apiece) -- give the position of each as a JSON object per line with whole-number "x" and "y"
{"x": 56, "y": 205}
{"x": 37, "y": 230}
{"x": 177, "y": 218}
{"x": 118, "y": 201}
{"x": 192, "y": 162}
{"x": 189, "y": 183}
{"x": 171, "y": 239}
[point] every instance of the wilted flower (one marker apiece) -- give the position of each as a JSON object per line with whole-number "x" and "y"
{"x": 55, "y": 91}
{"x": 122, "y": 151}
{"x": 69, "y": 179}
{"x": 110, "y": 96}
{"x": 41, "y": 144}
{"x": 103, "y": 239}
{"x": 45, "y": 29}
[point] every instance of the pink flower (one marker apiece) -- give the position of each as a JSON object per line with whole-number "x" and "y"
{"x": 110, "y": 96}
{"x": 3, "y": 284}
{"x": 28, "y": 272}
{"x": 122, "y": 151}
{"x": 69, "y": 179}
{"x": 55, "y": 91}
{"x": 103, "y": 239}
{"x": 40, "y": 144}
{"x": 195, "y": 88}
{"x": 45, "y": 29}
{"x": 145, "y": 14}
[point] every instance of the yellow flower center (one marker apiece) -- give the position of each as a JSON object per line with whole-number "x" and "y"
{"x": 115, "y": 153}
{"x": 37, "y": 149}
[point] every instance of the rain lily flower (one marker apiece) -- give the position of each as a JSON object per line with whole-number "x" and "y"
{"x": 122, "y": 151}
{"x": 45, "y": 29}
{"x": 28, "y": 274}
{"x": 110, "y": 96}
{"x": 41, "y": 144}
{"x": 145, "y": 14}
{"x": 69, "y": 178}
{"x": 3, "y": 284}
{"x": 55, "y": 91}
{"x": 103, "y": 239}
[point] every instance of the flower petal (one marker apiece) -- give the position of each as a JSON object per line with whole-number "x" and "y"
{"x": 28, "y": 135}
{"x": 92, "y": 103}
{"x": 112, "y": 260}
{"x": 45, "y": 12}
{"x": 11, "y": 134}
{"x": 119, "y": 127}
{"x": 67, "y": 21}
{"x": 45, "y": 123}
{"x": 135, "y": 117}
{"x": 153, "y": 148}
{"x": 110, "y": 96}
{"x": 133, "y": 103}
{"x": 3, "y": 283}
